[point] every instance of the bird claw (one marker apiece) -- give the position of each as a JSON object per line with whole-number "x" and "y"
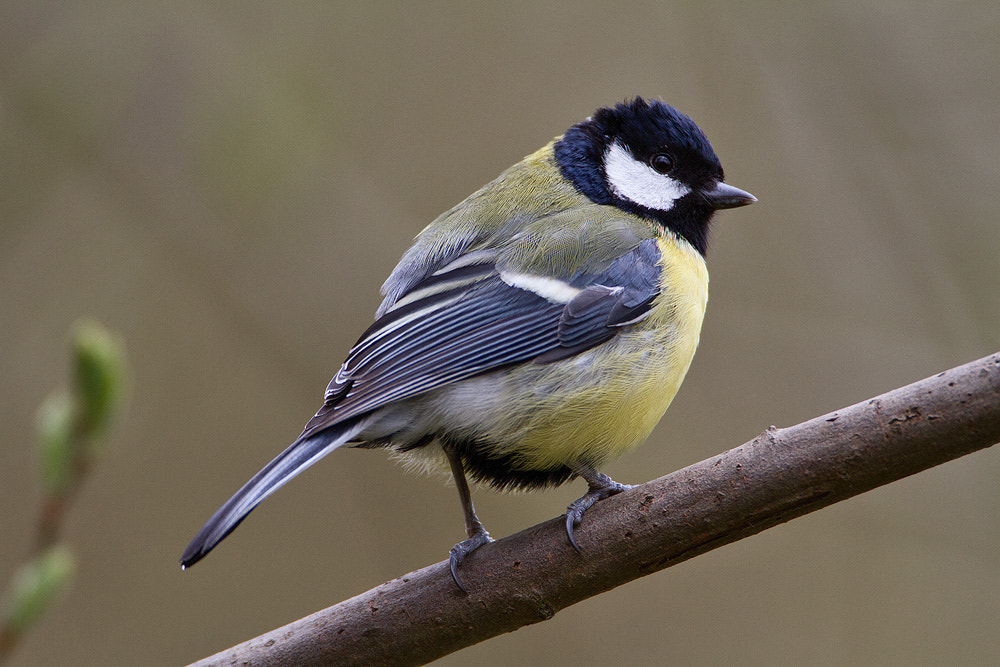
{"x": 601, "y": 487}
{"x": 463, "y": 549}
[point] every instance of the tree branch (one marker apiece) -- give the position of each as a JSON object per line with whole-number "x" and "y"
{"x": 528, "y": 577}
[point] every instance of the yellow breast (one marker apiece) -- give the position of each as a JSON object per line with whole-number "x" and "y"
{"x": 620, "y": 389}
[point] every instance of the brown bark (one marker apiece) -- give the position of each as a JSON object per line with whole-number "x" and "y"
{"x": 528, "y": 577}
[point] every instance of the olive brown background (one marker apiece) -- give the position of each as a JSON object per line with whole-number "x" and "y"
{"x": 227, "y": 184}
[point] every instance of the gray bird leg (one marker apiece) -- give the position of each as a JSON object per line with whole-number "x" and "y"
{"x": 601, "y": 487}
{"x": 473, "y": 526}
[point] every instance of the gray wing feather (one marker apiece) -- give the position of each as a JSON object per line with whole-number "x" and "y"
{"x": 455, "y": 333}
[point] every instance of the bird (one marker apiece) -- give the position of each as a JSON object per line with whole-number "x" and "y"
{"x": 535, "y": 331}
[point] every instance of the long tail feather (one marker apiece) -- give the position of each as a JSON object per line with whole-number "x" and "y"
{"x": 297, "y": 457}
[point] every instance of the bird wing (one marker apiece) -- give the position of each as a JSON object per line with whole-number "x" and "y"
{"x": 473, "y": 315}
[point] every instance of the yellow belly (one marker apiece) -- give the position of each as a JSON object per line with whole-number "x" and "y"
{"x": 619, "y": 390}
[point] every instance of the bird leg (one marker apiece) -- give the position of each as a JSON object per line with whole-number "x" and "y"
{"x": 473, "y": 526}
{"x": 601, "y": 487}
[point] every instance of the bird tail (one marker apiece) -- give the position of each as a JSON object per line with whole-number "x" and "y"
{"x": 309, "y": 448}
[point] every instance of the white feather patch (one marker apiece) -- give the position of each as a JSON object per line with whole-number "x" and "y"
{"x": 550, "y": 289}
{"x": 640, "y": 183}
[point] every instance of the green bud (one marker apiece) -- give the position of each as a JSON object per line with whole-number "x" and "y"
{"x": 98, "y": 374}
{"x": 34, "y": 588}
{"x": 57, "y": 444}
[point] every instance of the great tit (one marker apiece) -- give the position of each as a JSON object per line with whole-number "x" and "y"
{"x": 535, "y": 331}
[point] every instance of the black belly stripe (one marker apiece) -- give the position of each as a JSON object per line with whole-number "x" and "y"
{"x": 502, "y": 471}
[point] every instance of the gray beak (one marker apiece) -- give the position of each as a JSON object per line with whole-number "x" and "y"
{"x": 726, "y": 196}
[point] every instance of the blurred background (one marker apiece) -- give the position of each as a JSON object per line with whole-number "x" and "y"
{"x": 227, "y": 184}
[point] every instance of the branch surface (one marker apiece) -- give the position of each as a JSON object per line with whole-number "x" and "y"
{"x": 781, "y": 474}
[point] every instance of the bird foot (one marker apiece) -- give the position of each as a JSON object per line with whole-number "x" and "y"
{"x": 463, "y": 549}
{"x": 601, "y": 487}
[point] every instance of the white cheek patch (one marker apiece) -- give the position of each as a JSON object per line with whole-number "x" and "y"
{"x": 638, "y": 182}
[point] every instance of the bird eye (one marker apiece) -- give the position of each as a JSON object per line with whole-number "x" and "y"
{"x": 661, "y": 163}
